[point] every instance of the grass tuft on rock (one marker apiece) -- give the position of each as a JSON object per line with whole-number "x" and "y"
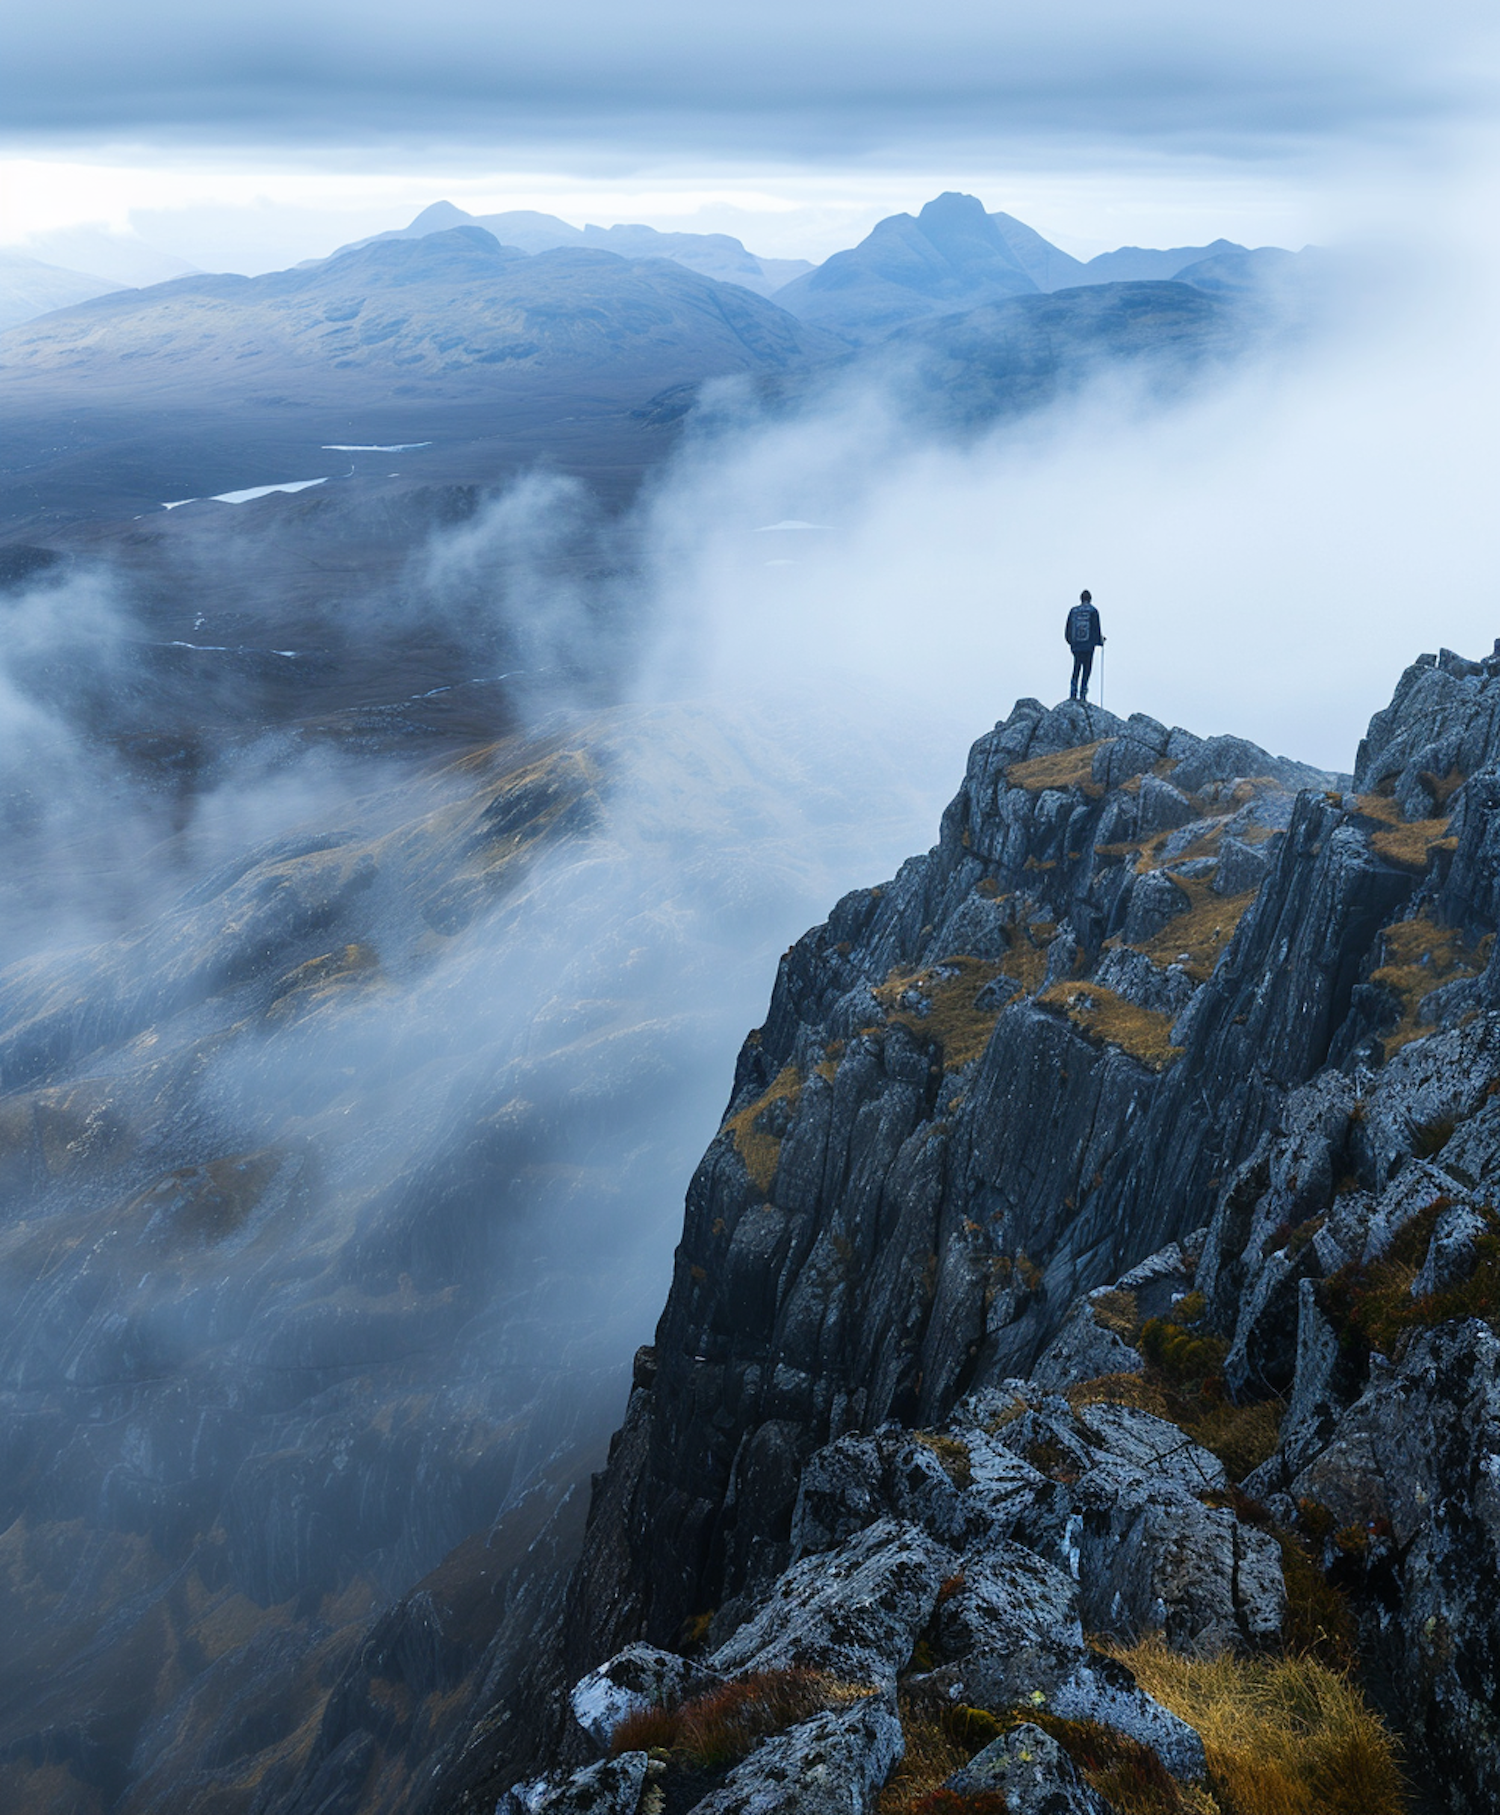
{"x": 1372, "y": 1305}
{"x": 952, "y": 1453}
{"x": 1063, "y": 769}
{"x": 757, "y": 1145}
{"x": 1183, "y": 1382}
{"x": 1283, "y": 1736}
{"x": 1417, "y": 957}
{"x": 1107, "y": 1017}
{"x": 1408, "y": 844}
{"x": 715, "y": 1730}
{"x": 940, "y": 1004}
{"x": 1197, "y": 938}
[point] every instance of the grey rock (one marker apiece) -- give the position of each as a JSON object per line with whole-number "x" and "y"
{"x": 1140, "y": 727}
{"x": 1161, "y": 807}
{"x": 1007, "y": 1497}
{"x": 1164, "y": 990}
{"x": 1154, "y": 902}
{"x": 1419, "y": 1449}
{"x": 1033, "y": 1772}
{"x": 854, "y": 1612}
{"x": 1010, "y": 1627}
{"x": 640, "y": 1676}
{"x": 611, "y": 1787}
{"x": 1225, "y": 759}
{"x": 1154, "y": 1446}
{"x": 1154, "y": 1558}
{"x": 1083, "y": 1349}
{"x": 1122, "y": 758}
{"x": 1319, "y": 1393}
{"x": 833, "y": 1764}
{"x": 1453, "y": 1252}
{"x": 978, "y": 928}
{"x": 1159, "y": 1280}
{"x": 1100, "y": 1689}
{"x": 850, "y": 1484}
{"x": 1241, "y": 866}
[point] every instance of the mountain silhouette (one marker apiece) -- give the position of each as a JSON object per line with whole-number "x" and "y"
{"x": 949, "y": 257}
{"x": 716, "y": 255}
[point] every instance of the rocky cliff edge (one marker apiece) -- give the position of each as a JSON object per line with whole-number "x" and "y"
{"x": 1095, "y": 1277}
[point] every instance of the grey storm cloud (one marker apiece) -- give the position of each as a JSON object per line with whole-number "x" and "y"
{"x": 794, "y": 78}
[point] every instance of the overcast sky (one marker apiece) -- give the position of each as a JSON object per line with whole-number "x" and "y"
{"x": 803, "y": 118}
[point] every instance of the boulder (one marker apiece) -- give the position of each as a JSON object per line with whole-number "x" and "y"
{"x": 1032, "y": 1772}
{"x": 854, "y": 1612}
{"x": 638, "y": 1677}
{"x": 611, "y": 1787}
{"x": 833, "y": 1764}
{"x": 1161, "y": 807}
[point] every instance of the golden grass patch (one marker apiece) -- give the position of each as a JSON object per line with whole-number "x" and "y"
{"x": 759, "y": 1149}
{"x": 1072, "y": 768}
{"x": 952, "y": 1453}
{"x": 1116, "y": 1310}
{"x": 1198, "y": 938}
{"x": 1026, "y": 960}
{"x": 1283, "y": 1736}
{"x": 944, "y": 1009}
{"x": 933, "y": 1753}
{"x": 1141, "y": 1032}
{"x": 1419, "y": 956}
{"x": 1407, "y": 843}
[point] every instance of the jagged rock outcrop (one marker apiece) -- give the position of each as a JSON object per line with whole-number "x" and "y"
{"x": 1170, "y": 1061}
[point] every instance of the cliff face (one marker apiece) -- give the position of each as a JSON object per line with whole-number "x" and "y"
{"x": 1171, "y": 1065}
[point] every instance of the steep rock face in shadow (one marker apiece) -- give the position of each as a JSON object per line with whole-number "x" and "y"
{"x": 1146, "y": 989}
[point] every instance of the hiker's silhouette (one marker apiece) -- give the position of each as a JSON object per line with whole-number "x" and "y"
{"x": 1081, "y": 628}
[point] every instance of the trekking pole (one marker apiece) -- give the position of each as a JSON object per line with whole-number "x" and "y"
{"x": 1101, "y": 677}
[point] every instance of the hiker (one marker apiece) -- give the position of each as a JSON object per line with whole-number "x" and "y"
{"x": 1081, "y": 628}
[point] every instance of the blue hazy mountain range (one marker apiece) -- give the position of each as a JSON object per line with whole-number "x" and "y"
{"x": 207, "y": 384}
{"x": 953, "y": 256}
{"x": 717, "y": 255}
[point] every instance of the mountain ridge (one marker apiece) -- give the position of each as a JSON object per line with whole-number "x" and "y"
{"x": 1157, "y": 1030}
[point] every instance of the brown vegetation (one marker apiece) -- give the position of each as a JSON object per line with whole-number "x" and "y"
{"x": 1063, "y": 769}
{"x": 757, "y": 1146}
{"x": 938, "y": 1004}
{"x": 1141, "y": 1032}
{"x": 1407, "y": 843}
{"x": 1417, "y": 957}
{"x": 712, "y": 1731}
{"x": 953, "y": 1455}
{"x": 1284, "y": 1736}
{"x": 1371, "y": 1304}
{"x": 1198, "y": 938}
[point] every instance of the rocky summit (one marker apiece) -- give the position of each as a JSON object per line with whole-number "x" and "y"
{"x": 1079, "y": 1386}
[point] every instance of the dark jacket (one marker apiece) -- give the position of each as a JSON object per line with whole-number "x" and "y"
{"x": 1095, "y": 636}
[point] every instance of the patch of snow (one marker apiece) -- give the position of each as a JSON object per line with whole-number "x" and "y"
{"x": 230, "y": 649}
{"x": 789, "y": 523}
{"x": 371, "y": 447}
{"x": 263, "y": 491}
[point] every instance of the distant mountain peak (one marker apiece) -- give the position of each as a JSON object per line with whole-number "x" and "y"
{"x": 439, "y": 215}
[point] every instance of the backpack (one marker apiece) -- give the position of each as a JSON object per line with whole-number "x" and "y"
{"x": 1081, "y": 626}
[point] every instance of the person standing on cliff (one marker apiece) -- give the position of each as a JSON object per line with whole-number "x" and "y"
{"x": 1081, "y": 628}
